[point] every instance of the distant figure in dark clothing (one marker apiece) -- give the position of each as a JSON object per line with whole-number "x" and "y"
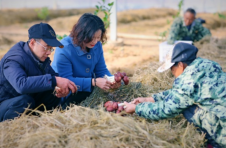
{"x": 187, "y": 28}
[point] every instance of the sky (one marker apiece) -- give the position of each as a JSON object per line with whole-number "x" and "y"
{"x": 199, "y": 5}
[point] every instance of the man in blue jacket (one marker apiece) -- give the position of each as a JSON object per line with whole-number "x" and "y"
{"x": 26, "y": 77}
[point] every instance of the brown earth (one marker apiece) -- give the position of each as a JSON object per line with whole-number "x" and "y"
{"x": 135, "y": 51}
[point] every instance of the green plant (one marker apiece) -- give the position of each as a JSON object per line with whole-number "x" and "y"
{"x": 164, "y": 33}
{"x": 43, "y": 13}
{"x": 180, "y": 4}
{"x": 106, "y": 10}
{"x": 60, "y": 37}
{"x": 99, "y": 8}
{"x": 220, "y": 15}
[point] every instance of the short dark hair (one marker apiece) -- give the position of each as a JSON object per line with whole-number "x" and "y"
{"x": 34, "y": 39}
{"x": 187, "y": 63}
{"x": 84, "y": 30}
{"x": 191, "y": 11}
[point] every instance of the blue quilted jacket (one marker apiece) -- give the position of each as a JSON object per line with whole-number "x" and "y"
{"x": 21, "y": 74}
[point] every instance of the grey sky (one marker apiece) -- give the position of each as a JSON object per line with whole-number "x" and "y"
{"x": 199, "y": 5}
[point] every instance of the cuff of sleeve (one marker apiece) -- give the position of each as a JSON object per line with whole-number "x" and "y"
{"x": 53, "y": 82}
{"x": 156, "y": 100}
{"x": 137, "y": 109}
{"x": 86, "y": 86}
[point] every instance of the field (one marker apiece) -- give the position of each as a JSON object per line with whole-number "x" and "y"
{"x": 88, "y": 125}
{"x": 139, "y": 51}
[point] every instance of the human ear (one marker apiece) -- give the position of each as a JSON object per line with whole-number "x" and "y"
{"x": 32, "y": 42}
{"x": 180, "y": 64}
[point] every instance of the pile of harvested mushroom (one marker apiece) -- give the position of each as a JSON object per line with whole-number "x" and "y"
{"x": 121, "y": 76}
{"x": 111, "y": 106}
{"x": 118, "y": 77}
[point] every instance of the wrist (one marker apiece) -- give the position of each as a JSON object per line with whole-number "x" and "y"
{"x": 94, "y": 83}
{"x": 54, "y": 83}
{"x": 151, "y": 100}
{"x": 56, "y": 80}
{"x": 135, "y": 108}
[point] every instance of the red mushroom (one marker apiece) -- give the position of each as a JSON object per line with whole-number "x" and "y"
{"x": 126, "y": 80}
{"x": 111, "y": 106}
{"x": 117, "y": 78}
{"x": 119, "y": 110}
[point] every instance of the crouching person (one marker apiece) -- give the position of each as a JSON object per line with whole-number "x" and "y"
{"x": 26, "y": 77}
{"x": 198, "y": 92}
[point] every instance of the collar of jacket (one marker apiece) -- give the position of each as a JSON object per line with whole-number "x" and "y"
{"x": 28, "y": 51}
{"x": 192, "y": 25}
{"x": 78, "y": 49}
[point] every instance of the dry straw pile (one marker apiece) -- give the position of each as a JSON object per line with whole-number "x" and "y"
{"x": 213, "y": 49}
{"x": 89, "y": 125}
{"x": 85, "y": 127}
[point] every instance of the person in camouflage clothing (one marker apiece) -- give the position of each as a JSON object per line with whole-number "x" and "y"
{"x": 187, "y": 28}
{"x": 198, "y": 92}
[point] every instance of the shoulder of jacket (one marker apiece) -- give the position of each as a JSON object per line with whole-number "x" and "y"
{"x": 16, "y": 51}
{"x": 178, "y": 20}
{"x": 99, "y": 46}
{"x": 198, "y": 23}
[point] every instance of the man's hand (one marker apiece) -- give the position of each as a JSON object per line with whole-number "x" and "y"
{"x": 58, "y": 92}
{"x": 141, "y": 100}
{"x": 65, "y": 86}
{"x": 129, "y": 107}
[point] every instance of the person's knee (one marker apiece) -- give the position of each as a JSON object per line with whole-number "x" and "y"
{"x": 14, "y": 107}
{"x": 28, "y": 102}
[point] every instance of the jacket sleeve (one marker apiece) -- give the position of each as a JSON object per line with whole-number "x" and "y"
{"x": 101, "y": 68}
{"x": 21, "y": 82}
{"x": 174, "y": 32}
{"x": 52, "y": 72}
{"x": 160, "y": 96}
{"x": 64, "y": 67}
{"x": 204, "y": 31}
{"x": 174, "y": 103}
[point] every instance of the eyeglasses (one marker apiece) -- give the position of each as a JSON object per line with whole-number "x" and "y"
{"x": 46, "y": 49}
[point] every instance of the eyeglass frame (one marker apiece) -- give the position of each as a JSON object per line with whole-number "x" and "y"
{"x": 46, "y": 48}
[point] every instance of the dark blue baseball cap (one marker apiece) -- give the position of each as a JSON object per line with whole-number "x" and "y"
{"x": 46, "y": 33}
{"x": 182, "y": 52}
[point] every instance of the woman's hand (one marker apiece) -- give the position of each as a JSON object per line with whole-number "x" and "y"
{"x": 103, "y": 83}
{"x": 141, "y": 100}
{"x": 129, "y": 107}
{"x": 115, "y": 85}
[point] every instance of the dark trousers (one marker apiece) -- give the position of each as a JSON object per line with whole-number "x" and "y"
{"x": 75, "y": 99}
{"x": 48, "y": 99}
{"x": 11, "y": 108}
{"x": 188, "y": 114}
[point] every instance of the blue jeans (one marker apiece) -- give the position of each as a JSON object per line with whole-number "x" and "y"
{"x": 75, "y": 99}
{"x": 11, "y": 108}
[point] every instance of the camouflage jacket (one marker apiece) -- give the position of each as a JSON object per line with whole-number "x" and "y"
{"x": 202, "y": 83}
{"x": 178, "y": 31}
